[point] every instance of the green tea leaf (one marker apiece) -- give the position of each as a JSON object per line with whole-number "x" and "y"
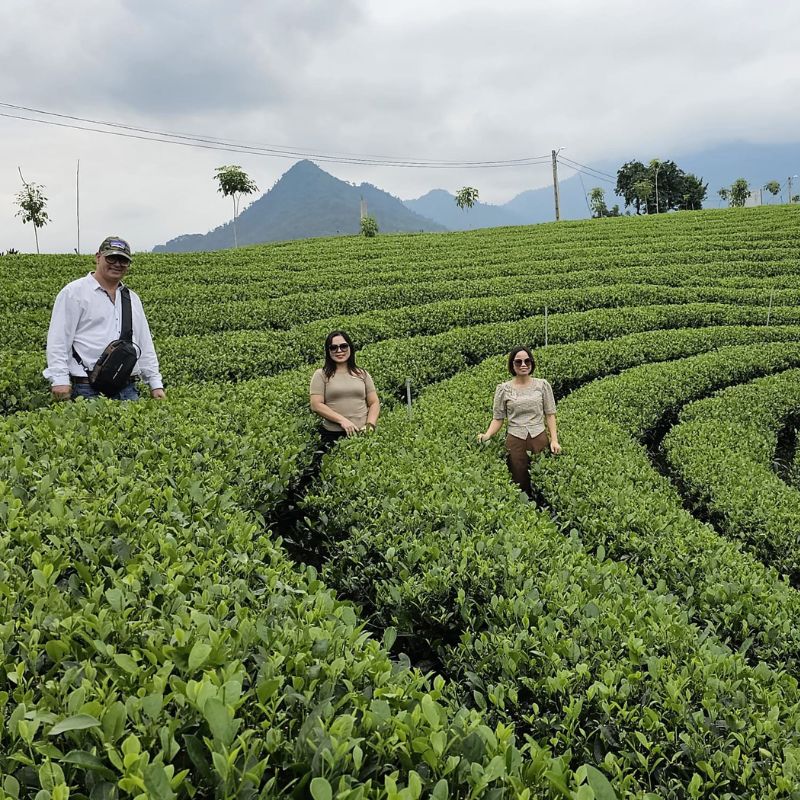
{"x": 199, "y": 655}
{"x": 219, "y": 720}
{"x": 78, "y": 722}
{"x": 124, "y": 661}
{"x": 600, "y": 786}
{"x": 321, "y": 789}
{"x": 157, "y": 783}
{"x": 88, "y": 761}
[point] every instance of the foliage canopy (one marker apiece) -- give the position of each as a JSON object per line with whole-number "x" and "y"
{"x": 234, "y": 182}
{"x": 466, "y": 197}
{"x": 369, "y": 226}
{"x": 32, "y": 202}
{"x": 659, "y": 187}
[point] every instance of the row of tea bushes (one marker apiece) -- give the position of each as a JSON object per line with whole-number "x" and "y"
{"x": 408, "y": 313}
{"x": 722, "y": 455}
{"x": 606, "y": 487}
{"x": 239, "y": 356}
{"x": 423, "y": 527}
{"x": 156, "y": 641}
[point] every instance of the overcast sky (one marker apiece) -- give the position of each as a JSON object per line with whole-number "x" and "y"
{"x": 419, "y": 79}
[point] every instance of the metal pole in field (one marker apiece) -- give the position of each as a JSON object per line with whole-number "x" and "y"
{"x": 408, "y": 396}
{"x": 545, "y": 326}
{"x": 769, "y": 310}
{"x": 555, "y": 182}
{"x": 78, "y": 204}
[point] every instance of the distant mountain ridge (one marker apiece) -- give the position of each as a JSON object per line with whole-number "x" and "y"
{"x": 306, "y": 202}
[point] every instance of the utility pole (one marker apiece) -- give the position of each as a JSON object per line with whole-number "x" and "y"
{"x": 790, "y": 186}
{"x": 555, "y": 183}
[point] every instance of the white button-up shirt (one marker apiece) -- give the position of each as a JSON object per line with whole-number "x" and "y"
{"x": 84, "y": 317}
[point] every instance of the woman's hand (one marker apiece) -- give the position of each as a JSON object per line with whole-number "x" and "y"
{"x": 348, "y": 427}
{"x": 482, "y": 437}
{"x": 555, "y": 447}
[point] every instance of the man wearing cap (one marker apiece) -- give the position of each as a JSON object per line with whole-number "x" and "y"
{"x": 87, "y": 315}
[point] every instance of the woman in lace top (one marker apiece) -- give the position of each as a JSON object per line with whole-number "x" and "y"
{"x": 528, "y": 405}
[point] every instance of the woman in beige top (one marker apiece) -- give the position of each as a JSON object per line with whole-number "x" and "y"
{"x": 528, "y": 405}
{"x": 342, "y": 393}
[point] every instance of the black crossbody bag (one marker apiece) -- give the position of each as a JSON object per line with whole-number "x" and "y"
{"x": 112, "y": 371}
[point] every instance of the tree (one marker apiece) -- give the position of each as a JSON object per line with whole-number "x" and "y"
{"x": 234, "y": 182}
{"x": 739, "y": 192}
{"x": 369, "y": 226}
{"x": 630, "y": 181}
{"x": 773, "y": 187}
{"x": 659, "y": 187}
{"x": 466, "y": 197}
{"x": 597, "y": 202}
{"x": 643, "y": 191}
{"x": 693, "y": 192}
{"x": 32, "y": 204}
{"x": 724, "y": 194}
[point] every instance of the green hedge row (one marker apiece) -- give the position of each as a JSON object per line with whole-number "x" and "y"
{"x": 156, "y": 642}
{"x": 404, "y": 302}
{"x": 425, "y": 530}
{"x": 424, "y": 359}
{"x": 764, "y": 239}
{"x": 722, "y": 453}
{"x": 606, "y": 487}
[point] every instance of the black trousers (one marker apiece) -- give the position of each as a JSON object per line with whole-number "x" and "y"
{"x": 329, "y": 438}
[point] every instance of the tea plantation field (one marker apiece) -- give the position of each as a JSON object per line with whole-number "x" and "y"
{"x": 193, "y": 605}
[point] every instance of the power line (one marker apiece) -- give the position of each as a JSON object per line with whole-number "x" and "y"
{"x": 212, "y": 143}
{"x": 585, "y": 196}
{"x": 589, "y": 174}
{"x": 591, "y": 169}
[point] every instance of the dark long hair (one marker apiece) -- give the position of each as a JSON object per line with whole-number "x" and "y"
{"x": 513, "y": 354}
{"x": 330, "y": 365}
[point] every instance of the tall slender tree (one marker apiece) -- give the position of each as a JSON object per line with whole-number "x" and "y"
{"x": 466, "y": 197}
{"x": 739, "y": 192}
{"x": 234, "y": 182}
{"x": 32, "y": 204}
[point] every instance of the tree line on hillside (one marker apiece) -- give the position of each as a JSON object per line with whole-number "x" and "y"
{"x": 662, "y": 186}
{"x": 655, "y": 188}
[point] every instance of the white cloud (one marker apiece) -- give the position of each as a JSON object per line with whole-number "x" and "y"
{"x": 447, "y": 80}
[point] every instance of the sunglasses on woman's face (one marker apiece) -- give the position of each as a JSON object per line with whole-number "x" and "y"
{"x": 522, "y": 362}
{"x": 339, "y": 348}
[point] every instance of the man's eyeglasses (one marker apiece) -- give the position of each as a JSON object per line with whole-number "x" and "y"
{"x": 120, "y": 260}
{"x": 339, "y": 348}
{"x": 522, "y": 362}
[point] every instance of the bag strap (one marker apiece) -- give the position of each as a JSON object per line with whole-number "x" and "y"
{"x": 127, "y": 316}
{"x": 126, "y": 334}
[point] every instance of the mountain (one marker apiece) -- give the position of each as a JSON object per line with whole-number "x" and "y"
{"x": 538, "y": 205}
{"x": 533, "y": 205}
{"x": 441, "y": 207}
{"x": 306, "y": 202}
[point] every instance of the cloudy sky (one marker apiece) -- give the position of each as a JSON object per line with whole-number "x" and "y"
{"x": 446, "y": 80}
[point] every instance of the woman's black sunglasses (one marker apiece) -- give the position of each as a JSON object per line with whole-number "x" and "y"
{"x": 522, "y": 362}
{"x": 338, "y": 348}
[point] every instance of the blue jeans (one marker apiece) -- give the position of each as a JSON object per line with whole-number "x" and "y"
{"x": 127, "y": 392}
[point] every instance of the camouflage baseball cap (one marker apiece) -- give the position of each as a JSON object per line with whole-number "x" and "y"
{"x": 114, "y": 246}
